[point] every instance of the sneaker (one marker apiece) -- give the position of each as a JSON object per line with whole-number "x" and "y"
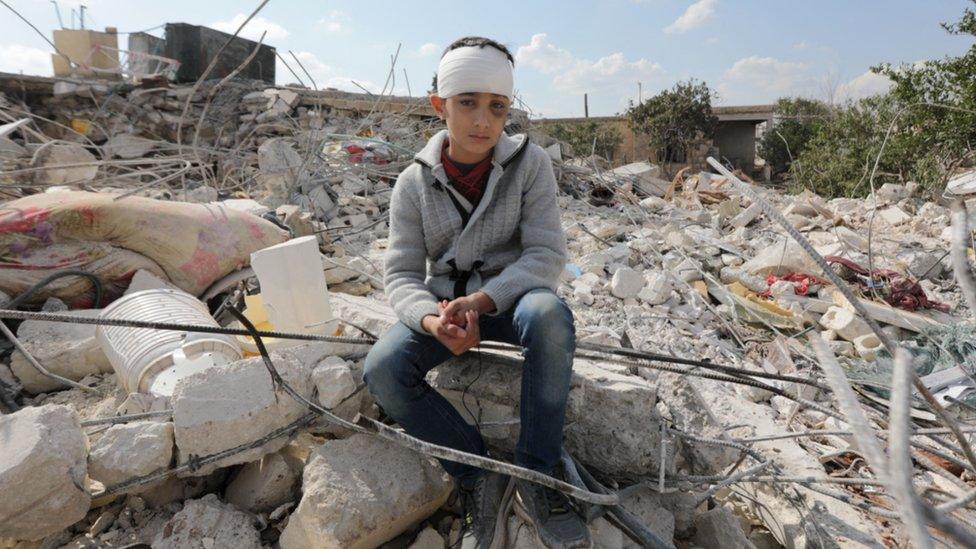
{"x": 479, "y": 510}
{"x": 556, "y": 523}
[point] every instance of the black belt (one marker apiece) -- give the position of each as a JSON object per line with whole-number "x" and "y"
{"x": 461, "y": 278}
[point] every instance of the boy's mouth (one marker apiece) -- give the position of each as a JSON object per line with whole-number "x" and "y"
{"x": 480, "y": 137}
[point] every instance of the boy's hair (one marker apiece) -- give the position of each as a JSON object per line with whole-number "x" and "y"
{"x": 473, "y": 41}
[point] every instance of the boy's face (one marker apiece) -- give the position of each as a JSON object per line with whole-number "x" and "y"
{"x": 475, "y": 122}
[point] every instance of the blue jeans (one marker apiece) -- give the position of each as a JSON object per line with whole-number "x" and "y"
{"x": 541, "y": 323}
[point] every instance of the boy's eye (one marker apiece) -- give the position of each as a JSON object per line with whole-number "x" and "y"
{"x": 497, "y": 105}
{"x": 467, "y": 102}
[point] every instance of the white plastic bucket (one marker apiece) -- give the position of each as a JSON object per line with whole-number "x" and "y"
{"x": 293, "y": 288}
{"x": 138, "y": 355}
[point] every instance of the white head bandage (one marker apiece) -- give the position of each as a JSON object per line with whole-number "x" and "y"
{"x": 474, "y": 69}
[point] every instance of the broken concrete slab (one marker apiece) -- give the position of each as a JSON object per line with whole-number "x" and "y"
{"x": 690, "y": 414}
{"x": 261, "y": 486}
{"x": 207, "y": 523}
{"x": 43, "y": 472}
{"x": 145, "y": 280}
{"x": 781, "y": 258}
{"x": 647, "y": 506}
{"x": 657, "y": 288}
{"x": 130, "y": 450}
{"x": 611, "y": 418}
{"x": 281, "y": 170}
{"x": 232, "y": 404}
{"x": 644, "y": 176}
{"x": 67, "y": 350}
{"x": 894, "y": 216}
{"x": 746, "y": 216}
{"x": 822, "y": 515}
{"x": 719, "y": 527}
{"x": 128, "y": 146}
{"x": 361, "y": 492}
{"x": 65, "y": 164}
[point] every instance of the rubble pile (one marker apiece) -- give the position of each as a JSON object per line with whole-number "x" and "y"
{"x": 687, "y": 266}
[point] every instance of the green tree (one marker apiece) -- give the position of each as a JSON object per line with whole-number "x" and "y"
{"x": 921, "y": 130}
{"x": 798, "y": 120}
{"x": 939, "y": 100}
{"x": 675, "y": 119}
{"x": 601, "y": 139}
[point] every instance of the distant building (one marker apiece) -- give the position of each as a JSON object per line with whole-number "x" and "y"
{"x": 736, "y": 137}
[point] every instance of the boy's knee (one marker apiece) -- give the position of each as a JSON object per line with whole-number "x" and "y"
{"x": 379, "y": 374}
{"x": 541, "y": 312}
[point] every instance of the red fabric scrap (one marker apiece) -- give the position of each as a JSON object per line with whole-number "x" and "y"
{"x": 899, "y": 290}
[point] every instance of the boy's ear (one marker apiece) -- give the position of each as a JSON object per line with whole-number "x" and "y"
{"x": 437, "y": 102}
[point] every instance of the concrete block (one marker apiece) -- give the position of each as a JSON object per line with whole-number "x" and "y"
{"x": 894, "y": 216}
{"x": 649, "y": 507}
{"x": 611, "y": 418}
{"x": 657, "y": 288}
{"x": 781, "y": 258}
{"x": 68, "y": 350}
{"x": 236, "y": 403}
{"x": 688, "y": 270}
{"x": 207, "y": 523}
{"x": 333, "y": 381}
{"x": 263, "y": 485}
{"x": 845, "y": 323}
{"x": 128, "y": 146}
{"x": 362, "y": 492}
{"x": 65, "y": 154}
{"x": 131, "y": 449}
{"x": 746, "y": 216}
{"x": 719, "y": 527}
{"x": 145, "y": 280}
{"x": 43, "y": 472}
{"x": 626, "y": 282}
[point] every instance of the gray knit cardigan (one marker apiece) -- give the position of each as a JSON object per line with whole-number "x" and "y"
{"x": 512, "y": 242}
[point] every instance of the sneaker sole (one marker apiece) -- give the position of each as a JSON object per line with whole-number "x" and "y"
{"x": 523, "y": 514}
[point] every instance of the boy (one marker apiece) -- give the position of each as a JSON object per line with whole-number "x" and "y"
{"x": 475, "y": 252}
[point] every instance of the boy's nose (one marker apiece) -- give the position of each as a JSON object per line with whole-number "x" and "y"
{"x": 481, "y": 118}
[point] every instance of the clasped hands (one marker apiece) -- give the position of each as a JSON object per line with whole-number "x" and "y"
{"x": 457, "y": 325}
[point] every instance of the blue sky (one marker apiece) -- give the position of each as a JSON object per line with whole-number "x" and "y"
{"x": 750, "y": 51}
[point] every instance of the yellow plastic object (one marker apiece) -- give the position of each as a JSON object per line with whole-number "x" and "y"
{"x": 80, "y": 125}
{"x": 753, "y": 308}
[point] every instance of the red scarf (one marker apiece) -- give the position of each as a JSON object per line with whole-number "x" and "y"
{"x": 471, "y": 185}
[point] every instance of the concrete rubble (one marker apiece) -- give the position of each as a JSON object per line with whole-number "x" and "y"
{"x": 660, "y": 261}
{"x": 349, "y": 500}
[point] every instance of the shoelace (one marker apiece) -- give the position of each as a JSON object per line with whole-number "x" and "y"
{"x": 556, "y": 501}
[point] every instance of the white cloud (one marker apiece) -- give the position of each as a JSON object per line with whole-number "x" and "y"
{"x": 801, "y": 45}
{"x": 865, "y": 85}
{"x": 325, "y": 76}
{"x": 611, "y": 76}
{"x": 429, "y": 48}
{"x": 334, "y": 21}
{"x": 25, "y": 59}
{"x": 543, "y": 55}
{"x": 754, "y": 79}
{"x": 253, "y": 29}
{"x": 765, "y": 71}
{"x": 695, "y": 16}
